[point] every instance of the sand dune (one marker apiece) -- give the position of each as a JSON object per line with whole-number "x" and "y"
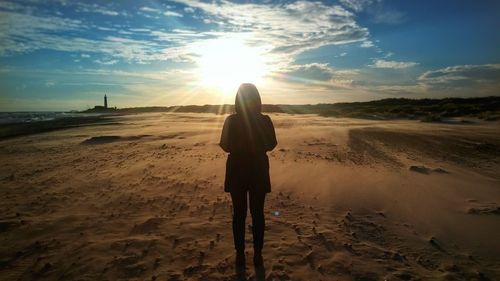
{"x": 142, "y": 199}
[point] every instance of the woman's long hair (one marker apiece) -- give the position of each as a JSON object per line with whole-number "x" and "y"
{"x": 248, "y": 100}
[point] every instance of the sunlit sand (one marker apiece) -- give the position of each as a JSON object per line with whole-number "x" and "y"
{"x": 141, "y": 198}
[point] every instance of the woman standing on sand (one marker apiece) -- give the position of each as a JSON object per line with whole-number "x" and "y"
{"x": 247, "y": 136}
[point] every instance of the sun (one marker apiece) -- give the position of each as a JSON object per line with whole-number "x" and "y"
{"x": 226, "y": 63}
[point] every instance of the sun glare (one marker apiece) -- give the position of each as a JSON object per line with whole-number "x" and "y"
{"x": 226, "y": 63}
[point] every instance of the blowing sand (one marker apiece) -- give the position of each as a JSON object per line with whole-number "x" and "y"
{"x": 142, "y": 199}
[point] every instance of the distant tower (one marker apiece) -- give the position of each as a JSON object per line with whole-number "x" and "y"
{"x": 105, "y": 101}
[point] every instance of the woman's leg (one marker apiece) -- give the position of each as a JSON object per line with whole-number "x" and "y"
{"x": 258, "y": 222}
{"x": 239, "y": 199}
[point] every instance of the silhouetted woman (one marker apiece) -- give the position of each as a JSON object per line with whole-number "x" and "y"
{"x": 247, "y": 136}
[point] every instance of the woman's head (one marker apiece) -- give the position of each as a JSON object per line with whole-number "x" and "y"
{"x": 247, "y": 99}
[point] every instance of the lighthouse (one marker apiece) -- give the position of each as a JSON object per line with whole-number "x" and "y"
{"x": 105, "y": 102}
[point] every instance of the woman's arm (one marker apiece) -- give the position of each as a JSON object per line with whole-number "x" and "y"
{"x": 224, "y": 138}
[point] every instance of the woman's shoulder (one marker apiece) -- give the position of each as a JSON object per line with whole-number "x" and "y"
{"x": 231, "y": 117}
{"x": 266, "y": 117}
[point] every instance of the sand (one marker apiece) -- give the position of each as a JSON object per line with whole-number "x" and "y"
{"x": 142, "y": 199}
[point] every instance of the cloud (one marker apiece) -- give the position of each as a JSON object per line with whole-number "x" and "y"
{"x": 11, "y": 6}
{"x": 310, "y": 72}
{"x": 387, "y": 16}
{"x": 149, "y": 10}
{"x": 289, "y": 28}
{"x": 367, "y": 44}
{"x": 319, "y": 74}
{"x": 140, "y": 30}
{"x": 358, "y": 5}
{"x": 95, "y": 8}
{"x": 461, "y": 76}
{"x": 458, "y": 81}
{"x": 160, "y": 11}
{"x": 380, "y": 63}
{"x": 106, "y": 62}
{"x": 172, "y": 14}
{"x": 24, "y": 33}
{"x": 376, "y": 10}
{"x": 21, "y": 32}
{"x": 388, "y": 55}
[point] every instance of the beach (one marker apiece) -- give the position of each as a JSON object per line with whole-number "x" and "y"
{"x": 141, "y": 198}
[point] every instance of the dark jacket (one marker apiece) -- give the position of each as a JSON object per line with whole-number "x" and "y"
{"x": 247, "y": 138}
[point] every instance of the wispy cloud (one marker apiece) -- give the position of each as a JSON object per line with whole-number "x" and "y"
{"x": 380, "y": 63}
{"x": 106, "y": 62}
{"x": 358, "y": 5}
{"x": 161, "y": 10}
{"x": 459, "y": 80}
{"x": 95, "y": 8}
{"x": 310, "y": 72}
{"x": 367, "y": 44}
{"x": 319, "y": 74}
{"x": 462, "y": 76}
{"x": 149, "y": 10}
{"x": 387, "y": 16}
{"x": 22, "y": 33}
{"x": 289, "y": 28}
{"x": 376, "y": 9}
{"x": 172, "y": 14}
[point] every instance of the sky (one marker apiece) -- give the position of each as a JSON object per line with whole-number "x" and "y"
{"x": 58, "y": 55}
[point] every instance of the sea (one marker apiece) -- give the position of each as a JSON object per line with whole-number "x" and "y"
{"x": 23, "y": 117}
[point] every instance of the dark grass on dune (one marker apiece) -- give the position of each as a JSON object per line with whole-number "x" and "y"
{"x": 20, "y": 129}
